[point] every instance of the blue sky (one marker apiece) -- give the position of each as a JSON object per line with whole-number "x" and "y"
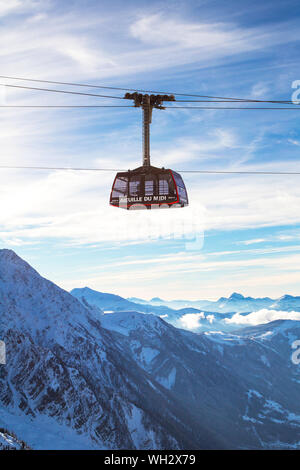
{"x": 240, "y": 233}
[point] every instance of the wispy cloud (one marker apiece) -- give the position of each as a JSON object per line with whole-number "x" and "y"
{"x": 211, "y": 40}
{"x": 18, "y": 6}
{"x": 254, "y": 241}
{"x": 196, "y": 274}
{"x": 259, "y": 90}
{"x": 294, "y": 142}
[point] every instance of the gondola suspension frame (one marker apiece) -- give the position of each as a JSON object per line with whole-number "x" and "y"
{"x": 166, "y": 184}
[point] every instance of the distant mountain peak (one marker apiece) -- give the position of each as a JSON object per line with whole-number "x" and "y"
{"x": 288, "y": 297}
{"x": 236, "y": 296}
{"x": 85, "y": 289}
{"x": 156, "y": 299}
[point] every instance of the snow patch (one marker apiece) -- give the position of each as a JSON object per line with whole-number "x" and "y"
{"x": 148, "y": 354}
{"x": 168, "y": 382}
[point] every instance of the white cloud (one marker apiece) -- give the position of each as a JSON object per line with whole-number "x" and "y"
{"x": 262, "y": 316}
{"x": 294, "y": 142}
{"x": 194, "y": 275}
{"x": 84, "y": 43}
{"x": 74, "y": 205}
{"x": 191, "y": 321}
{"x": 254, "y": 241}
{"x": 259, "y": 90}
{"x": 245, "y": 201}
{"x": 14, "y": 6}
{"x": 190, "y": 41}
{"x": 159, "y": 31}
{"x": 218, "y": 145}
{"x": 7, "y": 7}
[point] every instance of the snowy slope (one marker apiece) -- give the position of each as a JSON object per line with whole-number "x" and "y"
{"x": 224, "y": 315}
{"x": 115, "y": 303}
{"x": 111, "y": 302}
{"x": 214, "y": 373}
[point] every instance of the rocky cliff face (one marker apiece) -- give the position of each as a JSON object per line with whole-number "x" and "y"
{"x": 9, "y": 441}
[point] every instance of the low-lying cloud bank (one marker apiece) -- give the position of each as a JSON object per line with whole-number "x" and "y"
{"x": 262, "y": 316}
{"x": 192, "y": 321}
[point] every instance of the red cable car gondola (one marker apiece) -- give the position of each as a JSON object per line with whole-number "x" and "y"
{"x": 148, "y": 187}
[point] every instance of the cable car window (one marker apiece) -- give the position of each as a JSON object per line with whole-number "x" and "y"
{"x": 178, "y": 179}
{"x": 120, "y": 187}
{"x": 149, "y": 187}
{"x": 165, "y": 184}
{"x": 182, "y": 192}
{"x": 180, "y": 186}
{"x": 135, "y": 186}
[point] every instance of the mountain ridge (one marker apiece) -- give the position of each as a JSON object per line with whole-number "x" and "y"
{"x": 236, "y": 302}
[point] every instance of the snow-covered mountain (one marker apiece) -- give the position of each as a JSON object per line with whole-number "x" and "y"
{"x": 68, "y": 383}
{"x": 224, "y": 315}
{"x": 238, "y": 303}
{"x": 287, "y": 303}
{"x": 111, "y": 302}
{"x": 78, "y": 378}
{"x": 234, "y": 383}
{"x": 114, "y": 303}
{"x": 173, "y": 304}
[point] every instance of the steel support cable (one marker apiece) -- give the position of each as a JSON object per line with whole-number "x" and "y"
{"x": 115, "y": 170}
{"x": 139, "y": 90}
